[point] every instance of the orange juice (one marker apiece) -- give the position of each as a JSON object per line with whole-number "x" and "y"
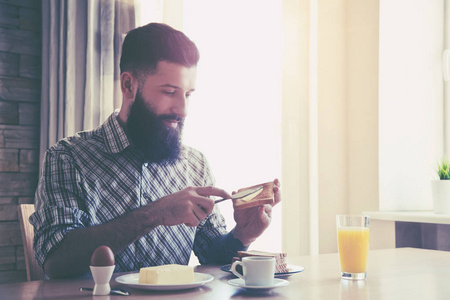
{"x": 353, "y": 244}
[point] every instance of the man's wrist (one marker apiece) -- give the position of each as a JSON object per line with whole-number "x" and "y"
{"x": 141, "y": 220}
{"x": 240, "y": 235}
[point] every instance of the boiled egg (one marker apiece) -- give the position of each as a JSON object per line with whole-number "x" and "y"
{"x": 102, "y": 257}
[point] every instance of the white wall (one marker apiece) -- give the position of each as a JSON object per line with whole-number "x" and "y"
{"x": 410, "y": 102}
{"x": 332, "y": 119}
{"x": 295, "y": 127}
{"x": 362, "y": 104}
{"x": 346, "y": 121}
{"x": 363, "y": 118}
{"x": 380, "y": 110}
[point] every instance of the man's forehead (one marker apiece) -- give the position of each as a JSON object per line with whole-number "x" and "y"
{"x": 165, "y": 66}
{"x": 168, "y": 73}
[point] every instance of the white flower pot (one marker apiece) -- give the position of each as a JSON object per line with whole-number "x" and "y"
{"x": 441, "y": 196}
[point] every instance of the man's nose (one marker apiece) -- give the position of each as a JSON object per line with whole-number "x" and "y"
{"x": 180, "y": 106}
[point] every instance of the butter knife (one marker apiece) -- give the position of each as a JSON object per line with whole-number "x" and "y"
{"x": 241, "y": 194}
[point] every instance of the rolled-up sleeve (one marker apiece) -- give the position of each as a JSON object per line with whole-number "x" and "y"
{"x": 57, "y": 205}
{"x": 207, "y": 233}
{"x": 212, "y": 244}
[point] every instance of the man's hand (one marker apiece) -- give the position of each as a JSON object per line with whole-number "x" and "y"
{"x": 251, "y": 222}
{"x": 188, "y": 206}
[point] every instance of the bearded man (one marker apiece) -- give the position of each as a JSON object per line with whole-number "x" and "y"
{"x": 131, "y": 184}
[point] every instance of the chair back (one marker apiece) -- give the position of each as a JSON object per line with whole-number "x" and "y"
{"x": 34, "y": 271}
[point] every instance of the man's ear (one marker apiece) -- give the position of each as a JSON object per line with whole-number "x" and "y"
{"x": 128, "y": 85}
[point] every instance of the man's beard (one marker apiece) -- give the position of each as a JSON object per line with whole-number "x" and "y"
{"x": 147, "y": 131}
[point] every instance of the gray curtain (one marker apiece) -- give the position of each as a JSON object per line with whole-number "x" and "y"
{"x": 80, "y": 64}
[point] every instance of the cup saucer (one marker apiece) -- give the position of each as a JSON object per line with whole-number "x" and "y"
{"x": 241, "y": 283}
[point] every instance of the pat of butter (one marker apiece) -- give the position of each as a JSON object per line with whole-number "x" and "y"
{"x": 167, "y": 274}
{"x": 249, "y": 197}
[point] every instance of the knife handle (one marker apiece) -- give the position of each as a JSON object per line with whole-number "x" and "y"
{"x": 220, "y": 200}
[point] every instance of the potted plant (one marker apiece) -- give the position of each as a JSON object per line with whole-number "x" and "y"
{"x": 441, "y": 188}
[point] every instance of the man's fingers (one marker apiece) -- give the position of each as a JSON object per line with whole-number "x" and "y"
{"x": 211, "y": 191}
{"x": 200, "y": 213}
{"x": 205, "y": 204}
{"x": 265, "y": 213}
{"x": 276, "y": 192}
{"x": 277, "y": 182}
{"x": 197, "y": 214}
{"x": 268, "y": 210}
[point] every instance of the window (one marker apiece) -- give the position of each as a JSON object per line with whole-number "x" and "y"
{"x": 410, "y": 102}
{"x": 235, "y": 112}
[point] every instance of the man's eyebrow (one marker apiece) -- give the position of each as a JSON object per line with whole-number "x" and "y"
{"x": 174, "y": 86}
{"x": 170, "y": 85}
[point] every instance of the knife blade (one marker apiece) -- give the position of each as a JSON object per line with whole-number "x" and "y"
{"x": 241, "y": 194}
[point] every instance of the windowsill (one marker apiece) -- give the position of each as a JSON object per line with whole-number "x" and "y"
{"x": 409, "y": 216}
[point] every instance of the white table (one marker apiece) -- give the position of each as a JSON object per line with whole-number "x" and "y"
{"x": 404, "y": 273}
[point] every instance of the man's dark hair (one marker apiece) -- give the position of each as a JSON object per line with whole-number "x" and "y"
{"x": 145, "y": 46}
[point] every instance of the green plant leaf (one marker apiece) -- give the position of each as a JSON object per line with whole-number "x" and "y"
{"x": 444, "y": 169}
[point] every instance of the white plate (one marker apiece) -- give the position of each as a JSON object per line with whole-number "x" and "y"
{"x": 291, "y": 270}
{"x": 132, "y": 280}
{"x": 241, "y": 283}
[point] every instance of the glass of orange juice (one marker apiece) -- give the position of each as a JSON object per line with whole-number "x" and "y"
{"x": 353, "y": 245}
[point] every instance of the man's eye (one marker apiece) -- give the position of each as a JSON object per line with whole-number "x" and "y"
{"x": 170, "y": 93}
{"x": 190, "y": 94}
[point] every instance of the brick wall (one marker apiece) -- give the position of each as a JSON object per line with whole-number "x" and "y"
{"x": 20, "y": 91}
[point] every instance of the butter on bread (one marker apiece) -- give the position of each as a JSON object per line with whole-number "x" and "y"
{"x": 264, "y": 196}
{"x": 167, "y": 274}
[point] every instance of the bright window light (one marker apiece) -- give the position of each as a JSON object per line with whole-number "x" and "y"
{"x": 235, "y": 113}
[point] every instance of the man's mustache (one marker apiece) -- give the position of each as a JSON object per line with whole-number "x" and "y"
{"x": 174, "y": 117}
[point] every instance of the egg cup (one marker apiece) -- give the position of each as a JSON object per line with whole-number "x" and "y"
{"x": 102, "y": 276}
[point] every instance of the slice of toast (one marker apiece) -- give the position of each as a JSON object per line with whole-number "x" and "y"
{"x": 264, "y": 196}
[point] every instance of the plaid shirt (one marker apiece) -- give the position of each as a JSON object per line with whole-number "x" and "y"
{"x": 96, "y": 176}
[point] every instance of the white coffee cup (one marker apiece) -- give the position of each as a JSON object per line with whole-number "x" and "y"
{"x": 258, "y": 271}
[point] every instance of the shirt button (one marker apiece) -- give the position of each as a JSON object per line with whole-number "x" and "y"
{"x": 146, "y": 165}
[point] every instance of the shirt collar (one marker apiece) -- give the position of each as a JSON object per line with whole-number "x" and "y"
{"x": 115, "y": 138}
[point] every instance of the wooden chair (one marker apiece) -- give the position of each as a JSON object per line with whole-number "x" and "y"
{"x": 34, "y": 271}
